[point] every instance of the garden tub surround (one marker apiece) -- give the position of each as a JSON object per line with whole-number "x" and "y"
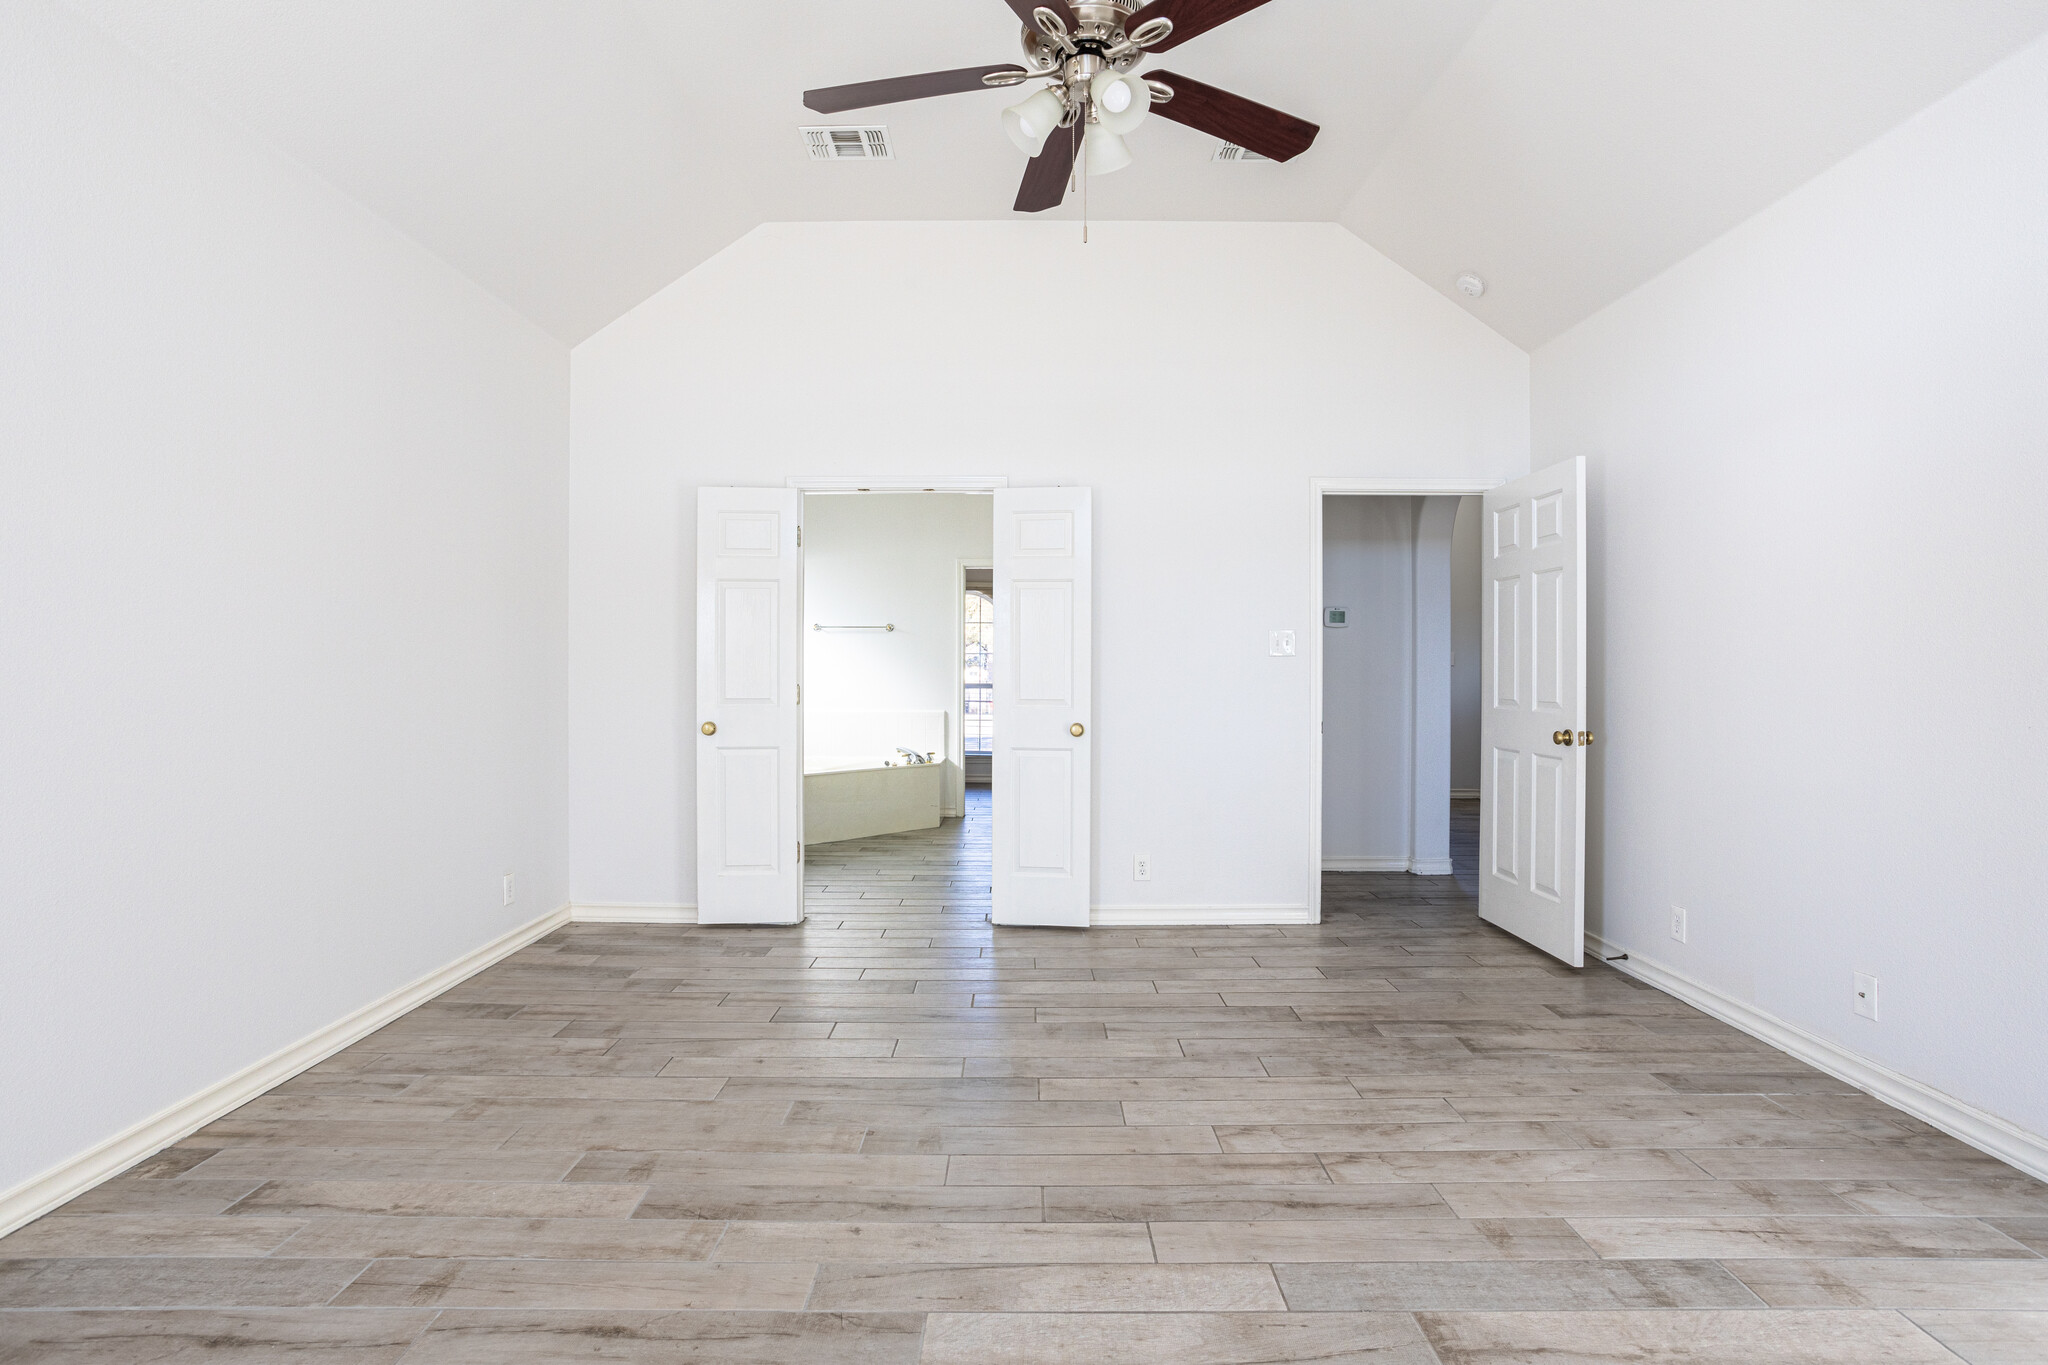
{"x": 856, "y": 783}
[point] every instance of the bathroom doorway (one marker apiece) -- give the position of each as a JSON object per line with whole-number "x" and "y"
{"x": 897, "y": 704}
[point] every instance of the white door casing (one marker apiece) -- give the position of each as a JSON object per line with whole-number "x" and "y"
{"x": 1044, "y": 730}
{"x": 1532, "y": 839}
{"x": 749, "y": 660}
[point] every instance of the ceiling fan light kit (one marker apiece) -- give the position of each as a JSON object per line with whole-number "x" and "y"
{"x": 1029, "y": 124}
{"x": 1103, "y": 151}
{"x": 1088, "y": 51}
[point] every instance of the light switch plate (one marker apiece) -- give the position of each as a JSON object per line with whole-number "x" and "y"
{"x": 1283, "y": 642}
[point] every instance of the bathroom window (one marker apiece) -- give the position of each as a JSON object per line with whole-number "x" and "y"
{"x": 978, "y": 631}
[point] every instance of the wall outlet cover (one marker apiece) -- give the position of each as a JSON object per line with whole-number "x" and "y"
{"x": 1678, "y": 923}
{"x": 1141, "y": 868}
{"x": 1866, "y": 996}
{"x": 508, "y": 888}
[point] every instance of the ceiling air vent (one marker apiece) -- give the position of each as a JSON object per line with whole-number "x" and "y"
{"x": 1230, "y": 151}
{"x": 848, "y": 144}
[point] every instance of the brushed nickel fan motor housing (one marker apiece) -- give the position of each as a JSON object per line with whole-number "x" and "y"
{"x": 1099, "y": 26}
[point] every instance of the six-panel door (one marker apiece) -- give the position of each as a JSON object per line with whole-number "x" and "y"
{"x": 1532, "y": 825}
{"x": 746, "y": 731}
{"x": 1041, "y": 666}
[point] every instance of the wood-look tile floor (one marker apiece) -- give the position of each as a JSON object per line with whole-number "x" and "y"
{"x": 893, "y": 1135}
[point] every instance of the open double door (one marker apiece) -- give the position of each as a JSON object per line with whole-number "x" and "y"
{"x": 749, "y": 726}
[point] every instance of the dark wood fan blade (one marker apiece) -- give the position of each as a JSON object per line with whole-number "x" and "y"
{"x": 1234, "y": 118}
{"x": 1045, "y": 179}
{"x": 837, "y": 99}
{"x": 1059, "y": 7}
{"x": 1191, "y": 18}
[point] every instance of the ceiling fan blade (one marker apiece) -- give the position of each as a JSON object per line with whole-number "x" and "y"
{"x": 1191, "y": 18}
{"x": 836, "y": 99}
{"x": 1234, "y": 118}
{"x": 1045, "y": 179}
{"x": 1059, "y": 7}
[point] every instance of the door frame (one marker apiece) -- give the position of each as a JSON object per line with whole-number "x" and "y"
{"x": 1318, "y": 489}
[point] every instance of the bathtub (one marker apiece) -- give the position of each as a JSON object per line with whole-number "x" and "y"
{"x": 857, "y": 797}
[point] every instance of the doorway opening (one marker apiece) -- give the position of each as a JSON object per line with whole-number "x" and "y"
{"x": 1399, "y": 661}
{"x": 896, "y": 724}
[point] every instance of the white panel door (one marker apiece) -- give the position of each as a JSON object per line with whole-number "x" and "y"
{"x": 1043, "y": 731}
{"x": 748, "y": 736}
{"x": 1532, "y": 728}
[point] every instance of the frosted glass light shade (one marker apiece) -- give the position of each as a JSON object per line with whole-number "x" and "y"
{"x": 1121, "y": 99}
{"x": 1029, "y": 124}
{"x": 1105, "y": 151}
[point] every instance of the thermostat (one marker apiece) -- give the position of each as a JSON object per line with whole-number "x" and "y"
{"x": 1334, "y": 616}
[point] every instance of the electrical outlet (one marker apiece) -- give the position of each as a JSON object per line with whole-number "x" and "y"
{"x": 1866, "y": 996}
{"x": 1141, "y": 870}
{"x": 1678, "y": 928}
{"x": 1283, "y": 643}
{"x": 508, "y": 888}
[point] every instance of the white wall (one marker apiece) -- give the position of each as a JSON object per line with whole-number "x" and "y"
{"x": 894, "y": 558}
{"x": 1466, "y": 639}
{"x": 1235, "y": 362}
{"x": 282, "y": 533}
{"x": 1819, "y": 454}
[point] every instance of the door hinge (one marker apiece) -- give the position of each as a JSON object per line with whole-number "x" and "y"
{"x": 799, "y": 850}
{"x": 799, "y": 694}
{"x": 799, "y": 537}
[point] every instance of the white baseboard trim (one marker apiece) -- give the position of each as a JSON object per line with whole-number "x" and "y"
{"x": 1159, "y": 916}
{"x": 1428, "y": 867}
{"x": 70, "y": 1178}
{"x": 1149, "y": 915}
{"x": 622, "y": 912}
{"x": 1464, "y": 793}
{"x": 1965, "y": 1122}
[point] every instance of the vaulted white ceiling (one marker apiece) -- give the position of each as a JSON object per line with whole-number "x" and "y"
{"x": 574, "y": 156}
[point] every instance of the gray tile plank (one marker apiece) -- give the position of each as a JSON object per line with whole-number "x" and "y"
{"x": 579, "y": 1284}
{"x": 1682, "y": 1337}
{"x": 471, "y": 1337}
{"x": 173, "y": 1282}
{"x": 199, "y": 1336}
{"x": 1511, "y": 1286}
{"x": 1047, "y": 1289}
{"x": 1182, "y": 1338}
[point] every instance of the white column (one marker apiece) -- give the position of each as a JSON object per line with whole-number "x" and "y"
{"x": 1429, "y": 851}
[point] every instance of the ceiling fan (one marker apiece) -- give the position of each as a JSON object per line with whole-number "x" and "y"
{"x": 1089, "y": 50}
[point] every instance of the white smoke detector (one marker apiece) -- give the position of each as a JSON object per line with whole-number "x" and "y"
{"x": 1471, "y": 286}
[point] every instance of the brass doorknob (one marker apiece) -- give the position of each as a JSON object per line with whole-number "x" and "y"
{"x": 1585, "y": 737}
{"x": 1077, "y": 730}
{"x": 1563, "y": 737}
{"x": 708, "y": 728}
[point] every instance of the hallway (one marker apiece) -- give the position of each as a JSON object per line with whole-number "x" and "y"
{"x": 893, "y": 1134}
